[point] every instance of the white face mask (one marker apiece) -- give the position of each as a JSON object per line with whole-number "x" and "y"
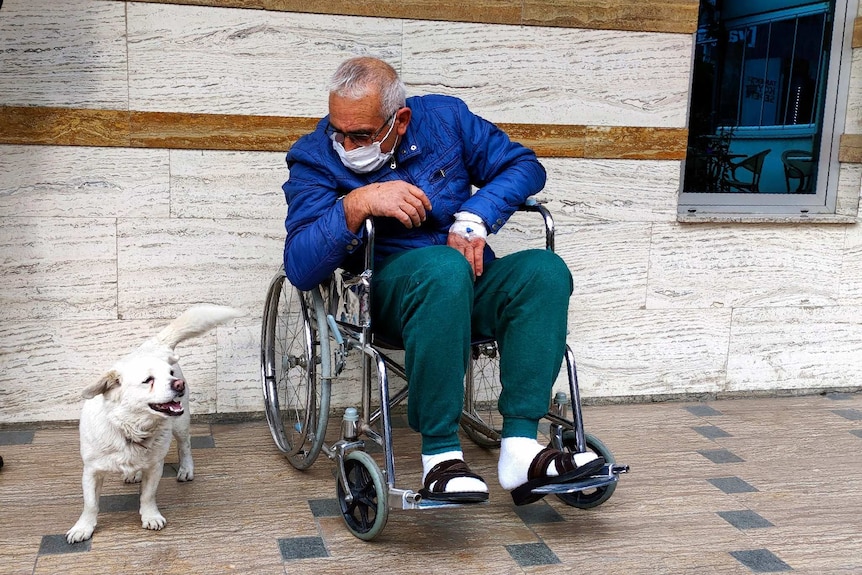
{"x": 365, "y": 159}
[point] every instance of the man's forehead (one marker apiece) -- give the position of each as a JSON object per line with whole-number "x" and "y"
{"x": 354, "y": 113}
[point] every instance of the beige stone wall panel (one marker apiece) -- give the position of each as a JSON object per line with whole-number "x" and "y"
{"x": 794, "y": 348}
{"x": 552, "y": 75}
{"x": 231, "y": 185}
{"x": 581, "y": 190}
{"x": 70, "y": 53}
{"x": 851, "y": 269}
{"x": 83, "y": 182}
{"x": 164, "y": 266}
{"x": 728, "y": 265}
{"x": 184, "y": 59}
{"x": 56, "y": 268}
{"x": 643, "y": 352}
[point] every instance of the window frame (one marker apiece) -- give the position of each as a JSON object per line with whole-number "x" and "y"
{"x": 824, "y": 200}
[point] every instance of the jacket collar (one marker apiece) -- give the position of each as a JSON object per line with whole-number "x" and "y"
{"x": 408, "y": 148}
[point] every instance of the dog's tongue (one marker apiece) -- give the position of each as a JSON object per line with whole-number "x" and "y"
{"x": 170, "y": 408}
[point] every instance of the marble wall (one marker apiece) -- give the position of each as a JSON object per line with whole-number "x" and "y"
{"x": 100, "y": 246}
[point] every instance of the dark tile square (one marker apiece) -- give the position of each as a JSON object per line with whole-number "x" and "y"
{"x": 129, "y": 502}
{"x": 711, "y": 431}
{"x": 761, "y": 561}
{"x": 538, "y": 513}
{"x": 302, "y": 548}
{"x": 720, "y": 456}
{"x": 56, "y": 545}
{"x": 732, "y": 485}
{"x": 839, "y": 396}
{"x": 16, "y": 437}
{"x": 856, "y": 432}
{"x": 530, "y": 554}
{"x": 202, "y": 442}
{"x": 325, "y": 507}
{"x": 744, "y": 519}
{"x": 702, "y": 410}
{"x": 170, "y": 470}
{"x": 851, "y": 414}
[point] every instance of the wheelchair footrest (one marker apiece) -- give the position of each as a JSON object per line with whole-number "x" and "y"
{"x": 609, "y": 474}
{"x": 431, "y": 504}
{"x": 408, "y": 499}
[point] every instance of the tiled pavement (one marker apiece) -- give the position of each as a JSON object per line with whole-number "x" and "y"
{"x": 731, "y": 486}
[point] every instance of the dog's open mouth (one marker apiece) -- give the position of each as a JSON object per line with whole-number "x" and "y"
{"x": 170, "y": 408}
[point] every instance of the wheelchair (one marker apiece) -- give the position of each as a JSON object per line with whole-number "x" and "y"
{"x": 307, "y": 340}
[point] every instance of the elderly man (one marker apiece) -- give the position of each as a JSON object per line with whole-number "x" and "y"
{"x": 411, "y": 165}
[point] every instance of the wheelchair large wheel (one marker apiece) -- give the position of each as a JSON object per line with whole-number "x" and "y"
{"x": 482, "y": 421}
{"x": 368, "y": 510}
{"x": 592, "y": 497}
{"x": 296, "y": 398}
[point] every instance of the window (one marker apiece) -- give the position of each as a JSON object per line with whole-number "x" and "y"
{"x": 767, "y": 106}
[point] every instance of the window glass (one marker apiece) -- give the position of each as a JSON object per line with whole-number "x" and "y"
{"x": 759, "y": 84}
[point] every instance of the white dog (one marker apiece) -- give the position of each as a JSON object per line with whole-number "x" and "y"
{"x": 131, "y": 413}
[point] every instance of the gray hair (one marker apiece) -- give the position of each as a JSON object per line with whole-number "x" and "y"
{"x": 358, "y": 77}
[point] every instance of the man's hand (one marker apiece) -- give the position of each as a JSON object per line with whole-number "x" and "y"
{"x": 473, "y": 249}
{"x": 395, "y": 199}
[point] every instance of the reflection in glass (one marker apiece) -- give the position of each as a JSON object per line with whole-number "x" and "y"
{"x": 757, "y": 96}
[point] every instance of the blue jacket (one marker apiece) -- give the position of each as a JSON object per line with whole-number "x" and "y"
{"x": 446, "y": 151}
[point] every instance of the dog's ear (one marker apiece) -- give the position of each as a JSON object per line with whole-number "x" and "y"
{"x": 108, "y": 381}
{"x": 173, "y": 359}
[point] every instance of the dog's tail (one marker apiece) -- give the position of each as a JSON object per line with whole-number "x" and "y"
{"x": 195, "y": 321}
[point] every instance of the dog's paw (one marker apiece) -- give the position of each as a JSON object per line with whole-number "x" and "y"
{"x": 80, "y": 532}
{"x": 154, "y": 522}
{"x": 133, "y": 477}
{"x": 185, "y": 473}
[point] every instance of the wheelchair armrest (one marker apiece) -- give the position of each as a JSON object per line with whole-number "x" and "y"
{"x": 532, "y": 205}
{"x": 351, "y": 293}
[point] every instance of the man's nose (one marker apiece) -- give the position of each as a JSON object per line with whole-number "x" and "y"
{"x": 349, "y": 145}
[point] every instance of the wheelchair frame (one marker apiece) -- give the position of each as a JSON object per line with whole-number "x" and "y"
{"x": 306, "y": 339}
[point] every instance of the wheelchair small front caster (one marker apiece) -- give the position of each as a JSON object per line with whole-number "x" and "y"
{"x": 365, "y": 508}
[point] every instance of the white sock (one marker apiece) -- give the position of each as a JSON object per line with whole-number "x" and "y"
{"x": 516, "y": 455}
{"x": 457, "y": 484}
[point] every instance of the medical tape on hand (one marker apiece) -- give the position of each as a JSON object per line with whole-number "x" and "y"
{"x": 468, "y": 226}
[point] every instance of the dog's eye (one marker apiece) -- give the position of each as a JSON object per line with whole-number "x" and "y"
{"x": 149, "y": 380}
{"x": 172, "y": 373}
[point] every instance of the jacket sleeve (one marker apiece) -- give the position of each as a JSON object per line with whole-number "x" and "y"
{"x": 505, "y": 172}
{"x": 318, "y": 240}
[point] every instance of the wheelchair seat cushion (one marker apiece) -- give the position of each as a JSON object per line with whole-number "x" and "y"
{"x": 568, "y": 472}
{"x": 440, "y": 475}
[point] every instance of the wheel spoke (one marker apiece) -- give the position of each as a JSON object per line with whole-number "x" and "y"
{"x": 292, "y": 385}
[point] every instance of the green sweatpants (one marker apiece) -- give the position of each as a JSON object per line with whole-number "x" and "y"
{"x": 426, "y": 300}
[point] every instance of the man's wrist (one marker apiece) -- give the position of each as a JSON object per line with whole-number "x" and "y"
{"x": 354, "y": 210}
{"x": 468, "y": 225}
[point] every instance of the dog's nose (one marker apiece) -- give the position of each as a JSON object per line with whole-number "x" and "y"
{"x": 178, "y": 385}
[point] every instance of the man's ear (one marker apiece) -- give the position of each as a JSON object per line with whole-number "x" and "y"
{"x": 108, "y": 381}
{"x": 404, "y": 115}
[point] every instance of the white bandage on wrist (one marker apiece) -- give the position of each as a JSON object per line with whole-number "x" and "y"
{"x": 468, "y": 226}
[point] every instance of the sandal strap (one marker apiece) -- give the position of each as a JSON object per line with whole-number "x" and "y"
{"x": 563, "y": 461}
{"x": 445, "y": 471}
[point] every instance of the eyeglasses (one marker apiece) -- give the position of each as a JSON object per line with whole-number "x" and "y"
{"x": 361, "y": 139}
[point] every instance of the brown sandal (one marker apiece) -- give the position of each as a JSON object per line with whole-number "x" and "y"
{"x": 568, "y": 471}
{"x": 439, "y": 477}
